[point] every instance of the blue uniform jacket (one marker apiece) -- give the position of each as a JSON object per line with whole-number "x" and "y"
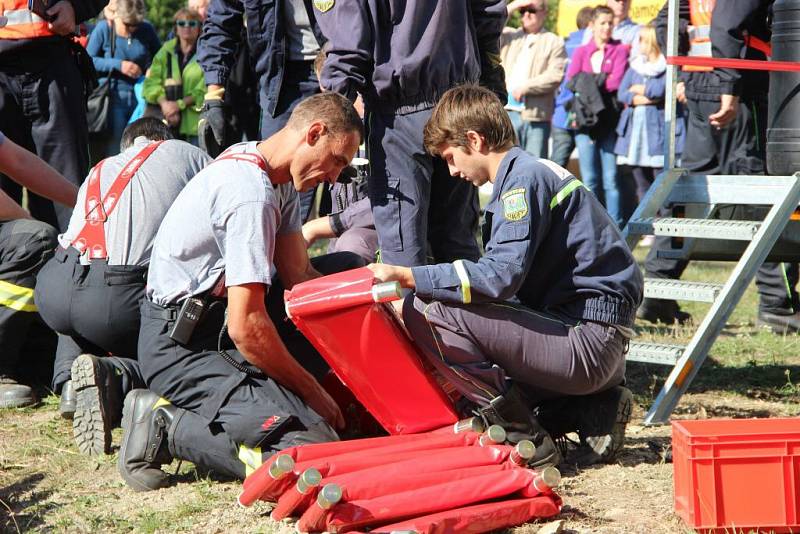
{"x": 654, "y": 89}
{"x": 266, "y": 40}
{"x": 549, "y": 244}
{"x": 401, "y": 56}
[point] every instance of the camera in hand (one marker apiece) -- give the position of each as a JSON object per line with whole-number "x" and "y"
{"x": 173, "y": 89}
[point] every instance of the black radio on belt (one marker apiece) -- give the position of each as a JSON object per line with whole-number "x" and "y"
{"x": 189, "y": 315}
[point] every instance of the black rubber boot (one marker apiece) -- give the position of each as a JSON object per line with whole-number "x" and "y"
{"x": 146, "y": 421}
{"x": 15, "y": 395}
{"x": 68, "y": 401}
{"x": 602, "y": 420}
{"x": 98, "y": 402}
{"x": 511, "y": 411}
{"x": 779, "y": 323}
{"x": 663, "y": 311}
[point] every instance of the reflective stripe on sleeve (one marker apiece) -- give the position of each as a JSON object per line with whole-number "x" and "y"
{"x": 16, "y": 297}
{"x": 251, "y": 458}
{"x": 461, "y": 271}
{"x": 565, "y": 192}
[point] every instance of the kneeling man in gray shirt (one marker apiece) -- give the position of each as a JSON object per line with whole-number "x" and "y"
{"x": 236, "y": 381}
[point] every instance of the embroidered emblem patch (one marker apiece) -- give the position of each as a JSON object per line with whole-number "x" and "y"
{"x": 324, "y": 5}
{"x": 515, "y": 207}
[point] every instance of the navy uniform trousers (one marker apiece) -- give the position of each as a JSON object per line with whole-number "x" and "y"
{"x": 739, "y": 149}
{"x": 414, "y": 199}
{"x": 95, "y": 310}
{"x": 479, "y": 348}
{"x": 45, "y": 112}
{"x": 233, "y": 419}
{"x": 25, "y": 246}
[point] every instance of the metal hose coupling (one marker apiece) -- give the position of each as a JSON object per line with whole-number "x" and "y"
{"x": 310, "y": 479}
{"x": 523, "y": 452}
{"x": 494, "y": 435}
{"x": 470, "y": 424}
{"x": 386, "y": 291}
{"x": 281, "y": 466}
{"x": 546, "y": 479}
{"x": 329, "y": 495}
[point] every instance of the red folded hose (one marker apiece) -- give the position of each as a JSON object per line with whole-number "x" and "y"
{"x": 361, "y": 513}
{"x": 480, "y": 517}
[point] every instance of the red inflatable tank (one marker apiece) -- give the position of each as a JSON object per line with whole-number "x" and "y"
{"x": 345, "y": 318}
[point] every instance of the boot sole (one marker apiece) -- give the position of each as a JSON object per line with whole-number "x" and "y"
{"x": 90, "y": 425}
{"x": 624, "y": 409}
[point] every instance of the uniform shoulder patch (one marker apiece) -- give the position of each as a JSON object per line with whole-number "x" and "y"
{"x": 515, "y": 206}
{"x": 324, "y": 5}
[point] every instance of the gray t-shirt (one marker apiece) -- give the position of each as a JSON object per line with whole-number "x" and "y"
{"x": 223, "y": 223}
{"x": 302, "y": 43}
{"x": 132, "y": 225}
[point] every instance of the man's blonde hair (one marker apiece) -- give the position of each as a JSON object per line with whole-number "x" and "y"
{"x": 464, "y": 108}
{"x": 333, "y": 109}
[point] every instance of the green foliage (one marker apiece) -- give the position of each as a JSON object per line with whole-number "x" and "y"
{"x": 160, "y": 13}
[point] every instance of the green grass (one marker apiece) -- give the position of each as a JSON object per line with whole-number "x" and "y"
{"x": 745, "y": 360}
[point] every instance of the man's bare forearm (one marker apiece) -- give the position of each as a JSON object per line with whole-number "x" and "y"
{"x": 30, "y": 171}
{"x": 261, "y": 345}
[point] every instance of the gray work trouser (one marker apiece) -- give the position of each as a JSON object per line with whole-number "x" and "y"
{"x": 480, "y": 347}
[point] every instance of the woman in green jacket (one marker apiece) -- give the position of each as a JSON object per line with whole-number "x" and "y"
{"x": 175, "y": 80}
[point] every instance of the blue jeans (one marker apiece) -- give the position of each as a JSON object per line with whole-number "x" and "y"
{"x": 533, "y": 136}
{"x": 598, "y": 165}
{"x": 563, "y": 145}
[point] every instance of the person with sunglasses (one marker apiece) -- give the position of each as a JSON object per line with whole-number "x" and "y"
{"x": 175, "y": 81}
{"x": 534, "y": 60}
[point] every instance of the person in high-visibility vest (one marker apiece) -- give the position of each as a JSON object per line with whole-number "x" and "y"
{"x": 726, "y": 134}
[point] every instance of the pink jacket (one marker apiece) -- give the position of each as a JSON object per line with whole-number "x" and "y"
{"x": 615, "y": 62}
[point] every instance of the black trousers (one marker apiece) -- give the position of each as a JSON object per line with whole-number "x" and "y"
{"x": 44, "y": 112}
{"x": 25, "y": 246}
{"x": 231, "y": 418}
{"x": 737, "y": 149}
{"x": 95, "y": 309}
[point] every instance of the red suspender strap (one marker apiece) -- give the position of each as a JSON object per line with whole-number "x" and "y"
{"x": 255, "y": 159}
{"x": 92, "y": 237}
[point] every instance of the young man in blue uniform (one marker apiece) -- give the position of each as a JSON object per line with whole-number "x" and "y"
{"x": 401, "y": 57}
{"x": 547, "y": 312}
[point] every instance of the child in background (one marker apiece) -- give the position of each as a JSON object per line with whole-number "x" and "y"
{"x": 641, "y": 129}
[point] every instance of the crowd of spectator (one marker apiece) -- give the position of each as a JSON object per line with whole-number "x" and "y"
{"x": 601, "y": 90}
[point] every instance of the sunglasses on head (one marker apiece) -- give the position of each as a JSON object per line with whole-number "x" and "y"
{"x": 187, "y": 23}
{"x": 531, "y": 10}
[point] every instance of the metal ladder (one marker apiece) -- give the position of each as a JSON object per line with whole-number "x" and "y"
{"x": 676, "y": 186}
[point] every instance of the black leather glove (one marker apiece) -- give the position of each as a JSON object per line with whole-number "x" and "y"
{"x": 493, "y": 76}
{"x": 212, "y": 127}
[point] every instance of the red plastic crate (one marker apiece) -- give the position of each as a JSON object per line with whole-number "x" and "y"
{"x": 735, "y": 475}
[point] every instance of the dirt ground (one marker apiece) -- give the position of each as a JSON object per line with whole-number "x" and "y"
{"x": 46, "y": 486}
{"x": 49, "y": 487}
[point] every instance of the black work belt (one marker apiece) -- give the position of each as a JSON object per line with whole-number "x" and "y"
{"x": 113, "y": 275}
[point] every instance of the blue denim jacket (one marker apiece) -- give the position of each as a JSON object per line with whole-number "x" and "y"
{"x": 266, "y": 40}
